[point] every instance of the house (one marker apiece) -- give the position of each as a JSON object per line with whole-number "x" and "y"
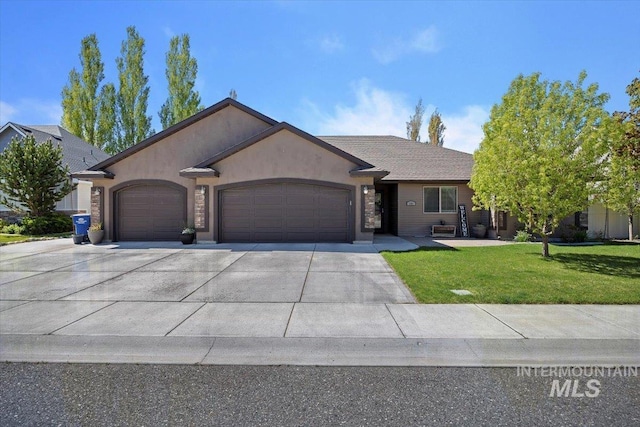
{"x": 608, "y": 224}
{"x": 76, "y": 153}
{"x": 240, "y": 176}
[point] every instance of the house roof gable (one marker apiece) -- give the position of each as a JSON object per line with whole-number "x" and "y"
{"x": 228, "y": 102}
{"x": 284, "y": 126}
{"x": 76, "y": 152}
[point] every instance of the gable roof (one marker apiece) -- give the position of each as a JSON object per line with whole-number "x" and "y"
{"x": 181, "y": 125}
{"x": 76, "y": 152}
{"x": 278, "y": 128}
{"x": 407, "y": 160}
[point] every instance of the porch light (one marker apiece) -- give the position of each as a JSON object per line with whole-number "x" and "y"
{"x": 96, "y": 191}
{"x": 365, "y": 189}
{"x": 202, "y": 189}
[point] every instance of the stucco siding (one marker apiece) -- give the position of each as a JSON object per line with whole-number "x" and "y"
{"x": 163, "y": 160}
{"x": 286, "y": 155}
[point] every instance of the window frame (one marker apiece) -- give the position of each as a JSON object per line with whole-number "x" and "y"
{"x": 440, "y": 187}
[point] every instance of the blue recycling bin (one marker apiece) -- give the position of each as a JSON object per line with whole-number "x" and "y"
{"x": 81, "y": 223}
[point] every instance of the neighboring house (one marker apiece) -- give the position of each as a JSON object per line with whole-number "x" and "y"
{"x": 240, "y": 176}
{"x": 76, "y": 153}
{"x": 608, "y": 224}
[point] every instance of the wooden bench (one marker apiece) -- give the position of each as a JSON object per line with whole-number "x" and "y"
{"x": 443, "y": 231}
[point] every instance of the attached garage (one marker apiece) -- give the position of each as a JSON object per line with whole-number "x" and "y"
{"x": 286, "y": 212}
{"x": 150, "y": 211}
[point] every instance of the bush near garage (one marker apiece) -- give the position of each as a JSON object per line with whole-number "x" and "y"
{"x": 49, "y": 224}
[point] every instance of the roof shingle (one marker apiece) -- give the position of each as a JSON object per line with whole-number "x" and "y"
{"x": 406, "y": 160}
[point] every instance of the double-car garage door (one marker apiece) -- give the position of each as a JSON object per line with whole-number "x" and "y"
{"x": 285, "y": 212}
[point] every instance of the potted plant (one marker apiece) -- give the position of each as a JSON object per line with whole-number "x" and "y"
{"x": 479, "y": 230}
{"x": 96, "y": 233}
{"x": 188, "y": 235}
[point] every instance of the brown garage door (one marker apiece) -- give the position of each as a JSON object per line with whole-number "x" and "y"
{"x": 285, "y": 212}
{"x": 150, "y": 212}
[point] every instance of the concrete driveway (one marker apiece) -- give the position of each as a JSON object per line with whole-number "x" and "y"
{"x": 318, "y": 304}
{"x": 146, "y": 289}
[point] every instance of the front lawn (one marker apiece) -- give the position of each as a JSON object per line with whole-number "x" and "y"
{"x": 16, "y": 238}
{"x": 517, "y": 274}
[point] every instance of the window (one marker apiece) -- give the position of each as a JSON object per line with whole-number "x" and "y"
{"x": 440, "y": 199}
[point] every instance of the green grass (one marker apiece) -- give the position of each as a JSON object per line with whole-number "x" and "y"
{"x": 18, "y": 238}
{"x": 518, "y": 274}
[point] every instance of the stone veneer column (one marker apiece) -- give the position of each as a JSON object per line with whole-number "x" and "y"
{"x": 200, "y": 209}
{"x": 97, "y": 204}
{"x": 370, "y": 209}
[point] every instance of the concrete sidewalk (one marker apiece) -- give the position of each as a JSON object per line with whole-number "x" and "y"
{"x": 275, "y": 304}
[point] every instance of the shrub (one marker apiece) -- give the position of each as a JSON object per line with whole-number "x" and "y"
{"x": 54, "y": 223}
{"x": 580, "y": 236}
{"x": 522, "y": 236}
{"x": 3, "y": 223}
{"x": 12, "y": 229}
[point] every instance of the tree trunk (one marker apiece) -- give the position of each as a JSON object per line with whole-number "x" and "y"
{"x": 630, "y": 227}
{"x": 545, "y": 245}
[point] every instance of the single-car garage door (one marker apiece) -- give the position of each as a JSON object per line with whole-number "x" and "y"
{"x": 150, "y": 212}
{"x": 285, "y": 212}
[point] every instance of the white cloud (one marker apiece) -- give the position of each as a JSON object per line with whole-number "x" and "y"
{"x": 31, "y": 111}
{"x": 464, "y": 130}
{"x": 380, "y": 112}
{"x": 168, "y": 32}
{"x": 331, "y": 44}
{"x": 7, "y": 113}
{"x": 424, "y": 41}
{"x": 376, "y": 112}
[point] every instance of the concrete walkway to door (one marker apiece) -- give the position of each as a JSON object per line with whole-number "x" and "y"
{"x": 320, "y": 304}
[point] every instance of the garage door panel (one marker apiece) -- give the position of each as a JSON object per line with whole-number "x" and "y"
{"x": 150, "y": 212}
{"x": 285, "y": 212}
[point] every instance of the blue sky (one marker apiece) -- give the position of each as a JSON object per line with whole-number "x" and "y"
{"x": 328, "y": 67}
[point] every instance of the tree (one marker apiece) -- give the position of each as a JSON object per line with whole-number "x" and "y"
{"x": 620, "y": 189}
{"x": 415, "y": 122}
{"x": 541, "y": 150}
{"x": 32, "y": 176}
{"x": 436, "y": 129}
{"x": 183, "y": 100}
{"x": 81, "y": 102}
{"x": 133, "y": 125}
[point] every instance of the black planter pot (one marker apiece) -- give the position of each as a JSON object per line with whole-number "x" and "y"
{"x": 77, "y": 238}
{"x": 187, "y": 239}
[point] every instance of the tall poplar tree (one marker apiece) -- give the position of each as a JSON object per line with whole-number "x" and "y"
{"x": 182, "y": 68}
{"x": 415, "y": 122}
{"x": 436, "y": 129}
{"x": 541, "y": 151}
{"x": 133, "y": 124}
{"x": 81, "y": 100}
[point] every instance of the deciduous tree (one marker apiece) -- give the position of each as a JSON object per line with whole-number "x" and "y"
{"x": 436, "y": 129}
{"x": 133, "y": 124}
{"x": 415, "y": 122}
{"x": 81, "y": 99}
{"x": 620, "y": 189}
{"x": 541, "y": 150}
{"x": 181, "y": 72}
{"x": 32, "y": 176}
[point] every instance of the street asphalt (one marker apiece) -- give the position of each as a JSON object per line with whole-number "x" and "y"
{"x": 162, "y": 395}
{"x": 270, "y": 304}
